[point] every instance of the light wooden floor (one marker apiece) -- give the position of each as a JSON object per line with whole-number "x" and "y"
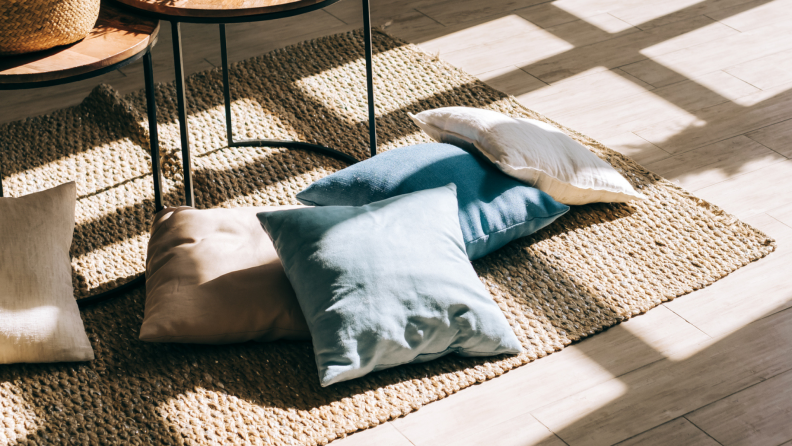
{"x": 699, "y": 91}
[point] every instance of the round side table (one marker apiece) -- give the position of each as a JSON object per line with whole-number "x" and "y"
{"x": 222, "y": 12}
{"x": 118, "y": 39}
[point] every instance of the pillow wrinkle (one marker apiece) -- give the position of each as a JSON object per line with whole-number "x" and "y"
{"x": 396, "y": 294}
{"x": 532, "y": 151}
{"x": 488, "y": 200}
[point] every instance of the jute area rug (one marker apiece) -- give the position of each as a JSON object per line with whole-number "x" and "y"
{"x": 595, "y": 267}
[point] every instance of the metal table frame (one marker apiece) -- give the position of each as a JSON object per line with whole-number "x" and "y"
{"x": 175, "y": 21}
{"x": 151, "y": 106}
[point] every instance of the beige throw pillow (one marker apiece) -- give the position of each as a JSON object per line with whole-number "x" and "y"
{"x": 532, "y": 151}
{"x": 39, "y": 319}
{"x": 213, "y": 277}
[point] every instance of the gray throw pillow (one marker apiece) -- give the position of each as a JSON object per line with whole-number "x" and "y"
{"x": 386, "y": 284}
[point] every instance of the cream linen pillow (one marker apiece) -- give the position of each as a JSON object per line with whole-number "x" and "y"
{"x": 213, "y": 277}
{"x": 532, "y": 151}
{"x": 39, "y": 319}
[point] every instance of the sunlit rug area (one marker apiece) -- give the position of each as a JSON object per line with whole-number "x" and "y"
{"x": 596, "y": 266}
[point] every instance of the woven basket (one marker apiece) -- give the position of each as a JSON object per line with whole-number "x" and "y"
{"x": 35, "y": 25}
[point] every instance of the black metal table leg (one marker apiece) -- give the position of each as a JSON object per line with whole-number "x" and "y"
{"x": 265, "y": 142}
{"x": 151, "y": 106}
{"x": 156, "y": 171}
{"x": 182, "y": 105}
{"x": 181, "y": 101}
{"x": 369, "y": 78}
{"x": 153, "y": 137}
{"x": 226, "y": 84}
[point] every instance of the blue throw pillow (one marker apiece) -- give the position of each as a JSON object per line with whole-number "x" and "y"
{"x": 494, "y": 209}
{"x": 386, "y": 284}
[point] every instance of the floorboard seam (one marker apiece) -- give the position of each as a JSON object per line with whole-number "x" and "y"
{"x": 555, "y": 434}
{"x": 702, "y": 430}
{"x": 693, "y": 325}
{"x": 734, "y": 393}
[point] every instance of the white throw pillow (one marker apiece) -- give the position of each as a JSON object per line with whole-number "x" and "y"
{"x": 532, "y": 151}
{"x": 39, "y": 319}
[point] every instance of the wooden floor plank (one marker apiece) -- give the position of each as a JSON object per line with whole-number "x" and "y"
{"x": 707, "y": 31}
{"x": 549, "y": 14}
{"x": 382, "y": 435}
{"x": 776, "y": 136}
{"x": 636, "y": 148}
{"x": 21, "y": 104}
{"x": 351, "y": 11}
{"x": 756, "y": 416}
{"x": 621, "y": 349}
{"x": 518, "y": 431}
{"x": 625, "y": 49}
{"x": 512, "y": 80}
{"x": 247, "y": 39}
{"x": 747, "y": 194}
{"x": 697, "y": 60}
{"x": 759, "y": 14}
{"x": 765, "y": 72}
{"x": 715, "y": 163}
{"x": 746, "y": 295}
{"x": 783, "y": 214}
{"x": 634, "y": 12}
{"x": 679, "y": 104}
{"x": 678, "y": 431}
{"x": 506, "y": 52}
{"x": 491, "y": 30}
{"x": 451, "y": 12}
{"x": 648, "y": 397}
{"x": 413, "y": 27}
{"x": 583, "y": 92}
{"x": 647, "y": 15}
{"x": 721, "y": 121}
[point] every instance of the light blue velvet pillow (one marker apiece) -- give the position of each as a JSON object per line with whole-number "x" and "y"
{"x": 494, "y": 208}
{"x": 387, "y": 283}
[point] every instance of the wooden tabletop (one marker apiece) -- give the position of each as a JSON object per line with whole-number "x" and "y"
{"x": 216, "y": 9}
{"x": 117, "y": 36}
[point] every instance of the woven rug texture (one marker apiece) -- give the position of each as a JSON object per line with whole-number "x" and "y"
{"x": 596, "y": 266}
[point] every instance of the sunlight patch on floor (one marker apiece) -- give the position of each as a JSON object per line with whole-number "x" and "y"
{"x": 637, "y": 11}
{"x": 578, "y": 407}
{"x": 622, "y": 115}
{"x": 608, "y": 23}
{"x": 759, "y": 97}
{"x": 505, "y": 41}
{"x": 590, "y": 89}
{"x": 679, "y": 42}
{"x": 482, "y": 33}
